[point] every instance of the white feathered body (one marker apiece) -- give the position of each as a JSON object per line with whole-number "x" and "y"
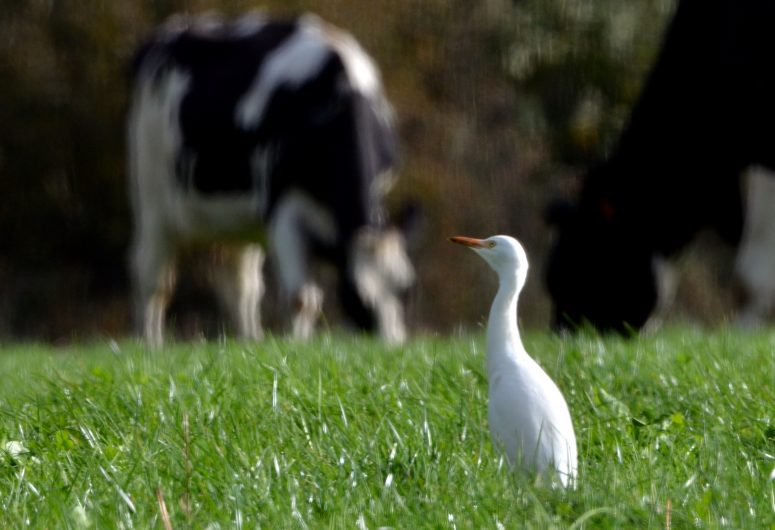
{"x": 529, "y": 419}
{"x": 528, "y": 415}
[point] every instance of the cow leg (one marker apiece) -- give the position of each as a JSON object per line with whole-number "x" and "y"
{"x": 308, "y": 306}
{"x": 240, "y": 286}
{"x": 154, "y": 280}
{"x": 666, "y": 276}
{"x": 755, "y": 263}
{"x": 290, "y": 248}
{"x": 391, "y": 321}
{"x": 251, "y": 265}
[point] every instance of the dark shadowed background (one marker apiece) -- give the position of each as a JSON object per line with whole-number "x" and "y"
{"x": 501, "y": 105}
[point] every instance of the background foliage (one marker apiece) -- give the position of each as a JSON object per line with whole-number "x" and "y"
{"x": 501, "y": 105}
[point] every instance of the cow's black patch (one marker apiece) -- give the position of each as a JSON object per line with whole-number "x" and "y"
{"x": 215, "y": 155}
{"x": 334, "y": 151}
{"x": 706, "y": 112}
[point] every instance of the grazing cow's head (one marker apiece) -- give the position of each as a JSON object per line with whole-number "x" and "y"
{"x": 379, "y": 277}
{"x": 597, "y": 271}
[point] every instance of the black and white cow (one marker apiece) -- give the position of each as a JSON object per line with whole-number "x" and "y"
{"x": 707, "y": 112}
{"x": 255, "y": 134}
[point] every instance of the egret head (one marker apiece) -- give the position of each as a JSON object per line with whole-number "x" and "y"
{"x": 503, "y": 253}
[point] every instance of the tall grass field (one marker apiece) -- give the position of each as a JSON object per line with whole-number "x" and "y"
{"x": 675, "y": 430}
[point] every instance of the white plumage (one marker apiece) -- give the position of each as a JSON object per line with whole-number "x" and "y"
{"x": 528, "y": 416}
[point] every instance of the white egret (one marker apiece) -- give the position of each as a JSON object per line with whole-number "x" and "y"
{"x": 528, "y": 415}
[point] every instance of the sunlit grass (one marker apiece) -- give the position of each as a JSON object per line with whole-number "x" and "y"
{"x": 347, "y": 433}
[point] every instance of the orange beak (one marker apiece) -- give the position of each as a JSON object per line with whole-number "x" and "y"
{"x": 468, "y": 241}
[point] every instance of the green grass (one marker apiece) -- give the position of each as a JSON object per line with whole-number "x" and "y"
{"x": 347, "y": 433}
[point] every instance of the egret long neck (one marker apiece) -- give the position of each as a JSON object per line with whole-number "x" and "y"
{"x": 503, "y": 340}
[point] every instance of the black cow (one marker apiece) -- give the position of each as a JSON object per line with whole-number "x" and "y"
{"x": 259, "y": 133}
{"x": 706, "y": 113}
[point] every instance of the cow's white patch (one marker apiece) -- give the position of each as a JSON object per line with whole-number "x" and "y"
{"x": 249, "y": 24}
{"x": 173, "y": 26}
{"x": 158, "y": 200}
{"x": 207, "y": 24}
{"x": 361, "y": 70}
{"x": 297, "y": 60}
{"x": 755, "y": 262}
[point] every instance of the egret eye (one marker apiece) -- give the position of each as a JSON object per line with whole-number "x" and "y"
{"x": 491, "y": 244}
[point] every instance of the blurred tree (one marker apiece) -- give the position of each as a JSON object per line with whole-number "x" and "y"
{"x": 579, "y": 66}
